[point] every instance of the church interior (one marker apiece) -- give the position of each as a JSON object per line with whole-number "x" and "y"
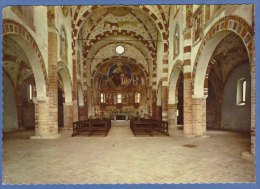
{"x": 128, "y": 94}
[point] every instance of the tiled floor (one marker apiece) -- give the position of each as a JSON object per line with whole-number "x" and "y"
{"x": 122, "y": 158}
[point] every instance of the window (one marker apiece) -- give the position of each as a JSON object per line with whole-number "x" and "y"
{"x": 102, "y": 97}
{"x": 119, "y": 98}
{"x": 241, "y": 92}
{"x": 137, "y": 97}
{"x": 120, "y": 49}
{"x": 30, "y": 91}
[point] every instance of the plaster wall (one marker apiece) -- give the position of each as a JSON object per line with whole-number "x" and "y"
{"x": 66, "y": 23}
{"x": 178, "y": 19}
{"x": 236, "y": 117}
{"x": 10, "y": 121}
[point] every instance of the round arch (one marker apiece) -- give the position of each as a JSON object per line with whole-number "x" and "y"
{"x": 121, "y": 58}
{"x": 78, "y": 21}
{"x": 218, "y": 31}
{"x": 64, "y": 73}
{"x": 176, "y": 70}
{"x": 24, "y": 39}
{"x": 123, "y": 32}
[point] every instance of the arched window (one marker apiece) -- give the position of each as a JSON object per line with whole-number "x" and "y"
{"x": 102, "y": 97}
{"x": 137, "y": 97}
{"x": 119, "y": 98}
{"x": 176, "y": 46}
{"x": 30, "y": 92}
{"x": 241, "y": 92}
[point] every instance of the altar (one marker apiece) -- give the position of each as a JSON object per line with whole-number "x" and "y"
{"x": 121, "y": 116}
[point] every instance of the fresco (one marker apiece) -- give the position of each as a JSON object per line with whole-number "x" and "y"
{"x": 118, "y": 76}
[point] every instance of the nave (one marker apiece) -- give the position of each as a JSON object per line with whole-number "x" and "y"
{"x": 123, "y": 158}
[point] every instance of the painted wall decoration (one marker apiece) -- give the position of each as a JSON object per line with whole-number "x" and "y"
{"x": 65, "y": 10}
{"x": 197, "y": 34}
{"x": 176, "y": 45}
{"x": 120, "y": 24}
{"x": 116, "y": 83}
{"x": 119, "y": 74}
{"x": 63, "y": 45}
{"x": 26, "y": 13}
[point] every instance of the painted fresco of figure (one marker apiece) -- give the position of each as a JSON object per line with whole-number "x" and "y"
{"x": 142, "y": 81}
{"x": 136, "y": 80}
{"x": 116, "y": 78}
{"x": 119, "y": 74}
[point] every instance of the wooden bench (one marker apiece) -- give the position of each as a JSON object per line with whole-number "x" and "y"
{"x": 149, "y": 126}
{"x": 92, "y": 127}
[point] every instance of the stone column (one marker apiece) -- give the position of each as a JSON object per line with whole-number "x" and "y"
{"x": 165, "y": 83}
{"x": 53, "y": 79}
{"x": 252, "y": 70}
{"x": 187, "y": 85}
{"x": 187, "y": 106}
{"x": 19, "y": 107}
{"x": 251, "y": 155}
{"x": 46, "y": 110}
{"x": 199, "y": 116}
{"x": 154, "y": 104}
{"x": 43, "y": 128}
{"x": 164, "y": 103}
{"x": 75, "y": 90}
{"x": 68, "y": 115}
{"x": 158, "y": 112}
{"x": 172, "y": 118}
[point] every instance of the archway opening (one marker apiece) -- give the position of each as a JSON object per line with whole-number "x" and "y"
{"x": 229, "y": 84}
{"x": 179, "y": 111}
{"x": 19, "y": 88}
{"x": 60, "y": 104}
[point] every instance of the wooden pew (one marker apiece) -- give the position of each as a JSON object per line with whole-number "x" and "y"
{"x": 92, "y": 127}
{"x": 149, "y": 126}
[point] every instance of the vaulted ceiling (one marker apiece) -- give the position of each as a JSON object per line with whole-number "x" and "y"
{"x": 137, "y": 28}
{"x": 228, "y": 54}
{"x": 15, "y": 63}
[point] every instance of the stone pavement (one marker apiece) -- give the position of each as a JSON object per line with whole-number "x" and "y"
{"x": 122, "y": 158}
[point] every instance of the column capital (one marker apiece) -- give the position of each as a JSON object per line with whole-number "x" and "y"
{"x": 68, "y": 103}
{"x": 172, "y": 106}
{"x": 40, "y": 99}
{"x": 195, "y": 97}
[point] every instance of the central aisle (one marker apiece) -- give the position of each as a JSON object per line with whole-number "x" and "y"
{"x": 120, "y": 129}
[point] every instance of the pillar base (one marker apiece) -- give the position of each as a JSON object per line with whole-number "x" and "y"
{"x": 66, "y": 128}
{"x": 248, "y": 156}
{"x": 21, "y": 128}
{"x": 203, "y": 136}
{"x": 189, "y": 136}
{"x": 46, "y": 137}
